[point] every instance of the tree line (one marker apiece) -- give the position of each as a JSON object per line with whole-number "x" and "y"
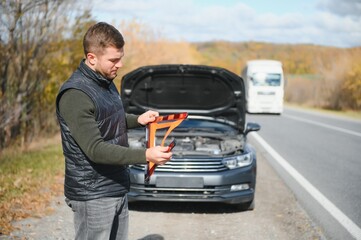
{"x": 317, "y": 76}
{"x": 40, "y": 47}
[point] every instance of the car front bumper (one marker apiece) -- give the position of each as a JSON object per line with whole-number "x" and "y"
{"x": 195, "y": 187}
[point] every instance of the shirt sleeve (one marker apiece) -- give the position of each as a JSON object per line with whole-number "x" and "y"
{"x": 132, "y": 121}
{"x": 78, "y": 111}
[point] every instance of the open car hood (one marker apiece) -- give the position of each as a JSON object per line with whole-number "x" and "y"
{"x": 196, "y": 89}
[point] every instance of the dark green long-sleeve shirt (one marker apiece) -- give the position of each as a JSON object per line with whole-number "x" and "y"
{"x": 78, "y": 111}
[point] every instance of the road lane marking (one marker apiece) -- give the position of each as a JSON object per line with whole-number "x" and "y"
{"x": 323, "y": 125}
{"x": 346, "y": 222}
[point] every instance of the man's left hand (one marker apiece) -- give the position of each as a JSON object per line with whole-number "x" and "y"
{"x": 147, "y": 117}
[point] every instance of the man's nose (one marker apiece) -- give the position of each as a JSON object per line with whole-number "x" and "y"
{"x": 119, "y": 64}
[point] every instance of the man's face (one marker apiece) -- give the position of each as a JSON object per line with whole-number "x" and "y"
{"x": 108, "y": 62}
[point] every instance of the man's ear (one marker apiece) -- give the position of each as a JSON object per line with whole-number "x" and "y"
{"x": 92, "y": 59}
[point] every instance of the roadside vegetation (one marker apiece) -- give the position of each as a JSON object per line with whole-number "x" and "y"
{"x": 29, "y": 180}
{"x": 40, "y": 47}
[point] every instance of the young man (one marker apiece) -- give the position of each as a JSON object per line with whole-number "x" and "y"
{"x": 94, "y": 127}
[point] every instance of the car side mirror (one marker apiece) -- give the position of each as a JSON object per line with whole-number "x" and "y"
{"x": 252, "y": 127}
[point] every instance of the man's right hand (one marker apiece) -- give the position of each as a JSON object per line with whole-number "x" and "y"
{"x": 158, "y": 155}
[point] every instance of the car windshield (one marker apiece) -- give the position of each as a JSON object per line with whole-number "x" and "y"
{"x": 204, "y": 125}
{"x": 266, "y": 79}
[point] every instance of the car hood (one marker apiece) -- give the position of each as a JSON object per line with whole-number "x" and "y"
{"x": 196, "y": 89}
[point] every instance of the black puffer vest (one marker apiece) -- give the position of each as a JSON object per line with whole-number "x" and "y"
{"x": 84, "y": 179}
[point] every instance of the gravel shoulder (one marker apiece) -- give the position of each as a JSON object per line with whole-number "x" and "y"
{"x": 277, "y": 215}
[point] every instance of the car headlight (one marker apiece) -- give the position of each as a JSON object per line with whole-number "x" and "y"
{"x": 238, "y": 161}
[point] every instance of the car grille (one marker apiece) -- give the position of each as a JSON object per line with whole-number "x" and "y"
{"x": 189, "y": 165}
{"x": 180, "y": 193}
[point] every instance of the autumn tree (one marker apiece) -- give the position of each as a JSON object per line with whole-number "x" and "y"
{"x": 27, "y": 28}
{"x": 351, "y": 89}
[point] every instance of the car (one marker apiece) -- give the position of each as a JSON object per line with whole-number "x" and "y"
{"x": 212, "y": 160}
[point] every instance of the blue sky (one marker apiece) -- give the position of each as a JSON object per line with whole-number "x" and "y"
{"x": 321, "y": 22}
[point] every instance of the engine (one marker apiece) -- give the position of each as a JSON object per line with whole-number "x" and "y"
{"x": 198, "y": 145}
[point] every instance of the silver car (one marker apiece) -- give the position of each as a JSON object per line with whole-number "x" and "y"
{"x": 212, "y": 161}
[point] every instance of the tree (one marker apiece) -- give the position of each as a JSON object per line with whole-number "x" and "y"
{"x": 27, "y": 27}
{"x": 351, "y": 89}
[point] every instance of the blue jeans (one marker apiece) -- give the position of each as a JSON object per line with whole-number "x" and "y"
{"x": 103, "y": 218}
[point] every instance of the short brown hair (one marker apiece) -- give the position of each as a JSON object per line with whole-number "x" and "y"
{"x": 100, "y": 36}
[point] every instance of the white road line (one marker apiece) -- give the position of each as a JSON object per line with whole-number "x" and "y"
{"x": 323, "y": 125}
{"x": 347, "y": 223}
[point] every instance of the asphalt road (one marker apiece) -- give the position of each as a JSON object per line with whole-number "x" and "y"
{"x": 319, "y": 157}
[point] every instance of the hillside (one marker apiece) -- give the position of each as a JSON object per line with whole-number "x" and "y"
{"x": 319, "y": 76}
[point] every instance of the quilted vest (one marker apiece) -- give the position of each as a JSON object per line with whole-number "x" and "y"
{"x": 84, "y": 179}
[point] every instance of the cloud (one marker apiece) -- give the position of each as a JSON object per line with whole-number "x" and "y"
{"x": 342, "y": 8}
{"x": 340, "y": 21}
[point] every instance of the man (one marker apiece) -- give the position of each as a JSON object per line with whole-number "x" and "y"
{"x": 94, "y": 138}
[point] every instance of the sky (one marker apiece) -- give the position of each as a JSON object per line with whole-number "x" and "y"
{"x": 321, "y": 22}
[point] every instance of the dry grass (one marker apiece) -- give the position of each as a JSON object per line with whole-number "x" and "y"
{"x": 29, "y": 180}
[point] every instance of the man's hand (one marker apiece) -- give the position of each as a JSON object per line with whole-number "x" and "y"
{"x": 158, "y": 155}
{"x": 147, "y": 117}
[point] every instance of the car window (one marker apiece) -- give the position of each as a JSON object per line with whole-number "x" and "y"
{"x": 266, "y": 79}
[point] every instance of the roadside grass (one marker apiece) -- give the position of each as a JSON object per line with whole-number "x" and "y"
{"x": 28, "y": 182}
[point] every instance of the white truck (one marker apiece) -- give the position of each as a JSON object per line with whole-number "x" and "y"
{"x": 264, "y": 81}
